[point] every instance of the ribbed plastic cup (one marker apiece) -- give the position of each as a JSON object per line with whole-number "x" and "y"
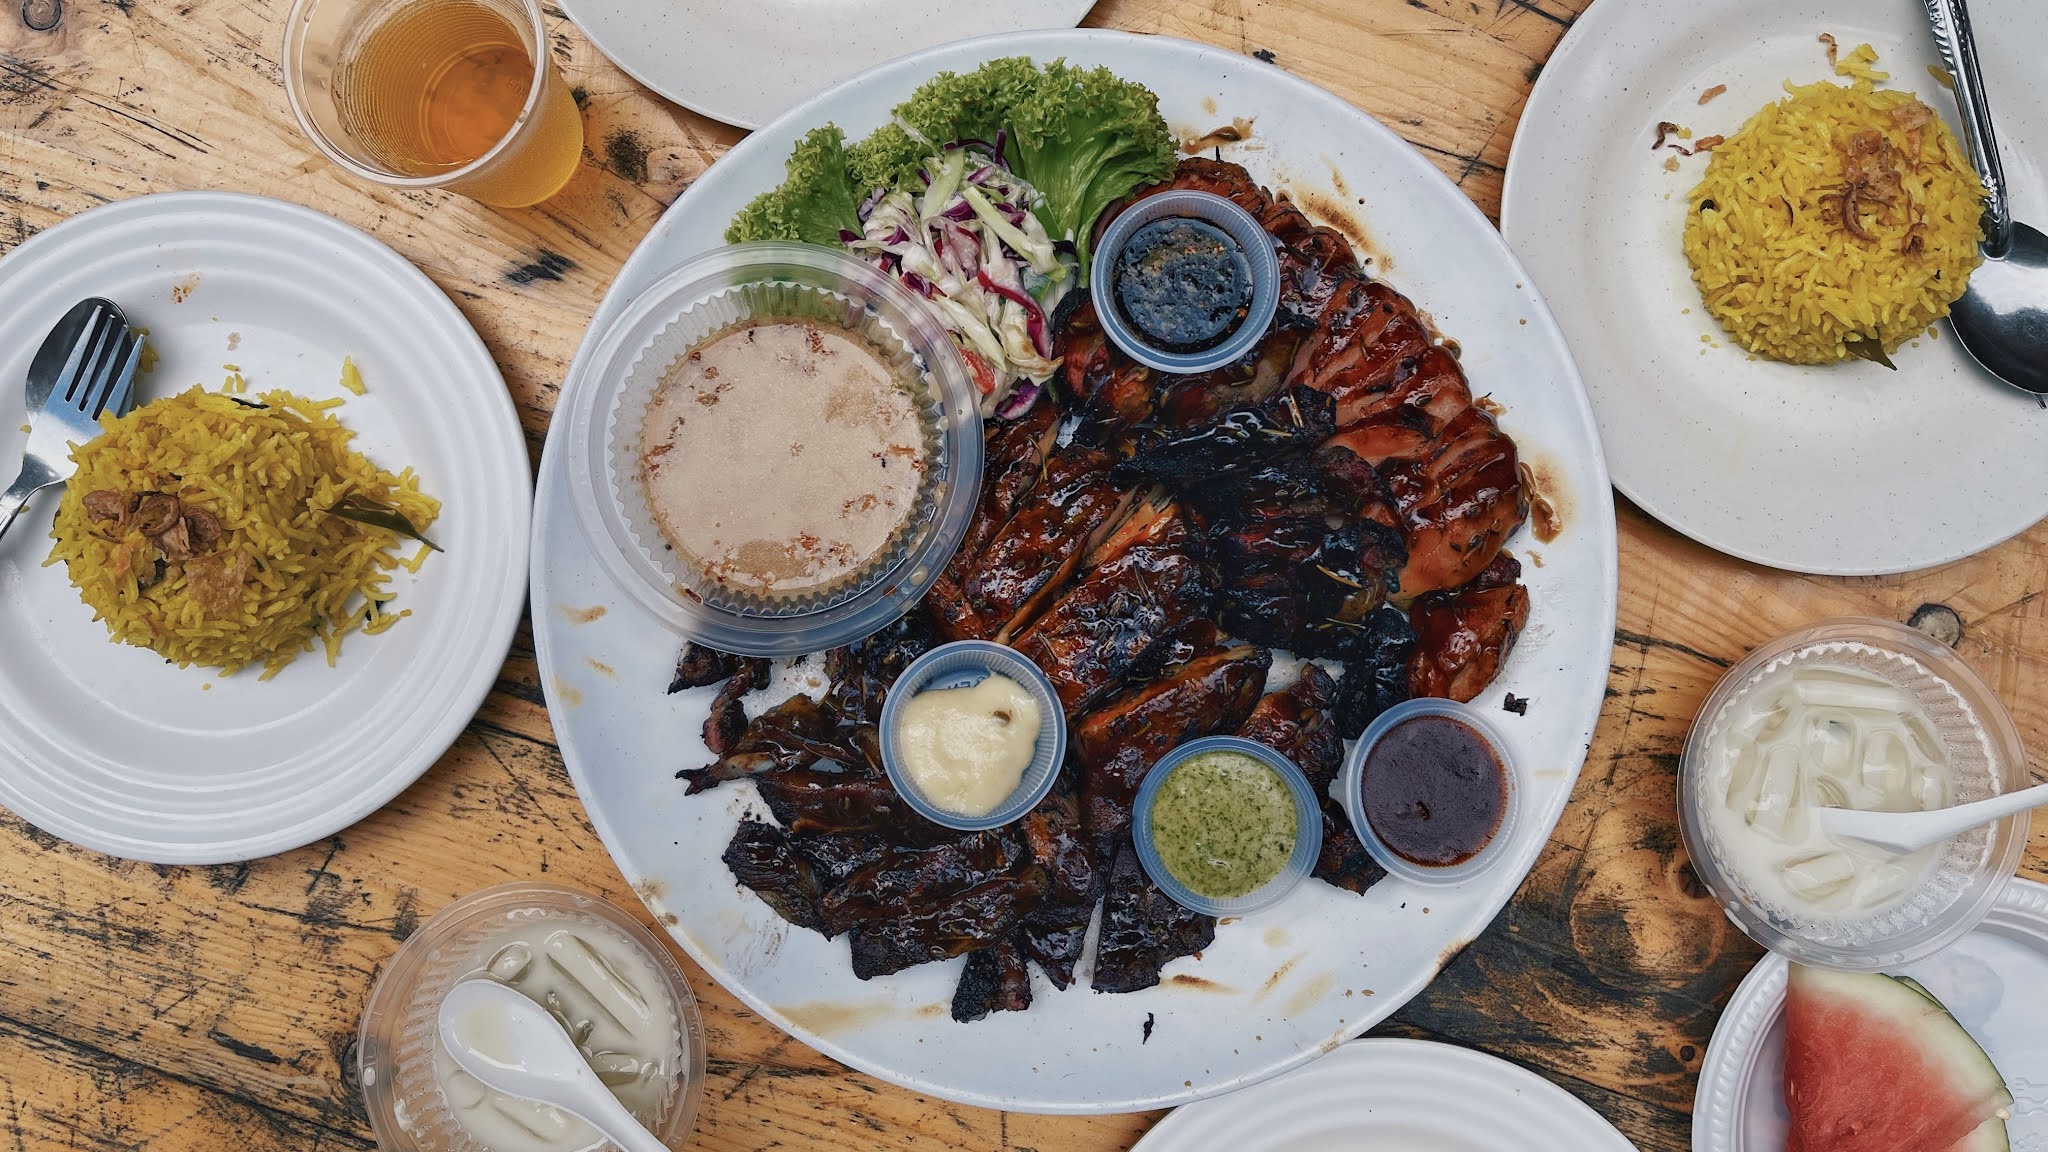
{"x": 963, "y": 664}
{"x": 1308, "y": 828}
{"x": 1353, "y": 778}
{"x": 1258, "y": 248}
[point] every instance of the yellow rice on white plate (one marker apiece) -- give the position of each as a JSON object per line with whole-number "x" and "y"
{"x": 202, "y": 527}
{"x": 1839, "y": 220}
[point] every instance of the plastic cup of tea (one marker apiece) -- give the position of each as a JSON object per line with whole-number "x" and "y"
{"x": 455, "y": 94}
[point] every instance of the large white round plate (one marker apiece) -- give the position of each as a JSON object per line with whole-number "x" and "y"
{"x": 1277, "y": 988}
{"x": 1392, "y": 1096}
{"x": 1849, "y": 469}
{"x": 109, "y": 746}
{"x": 1990, "y": 979}
{"x": 747, "y": 63}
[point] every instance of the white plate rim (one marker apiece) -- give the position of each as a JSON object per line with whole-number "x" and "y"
{"x": 672, "y": 78}
{"x": 1760, "y": 998}
{"x": 1592, "y": 26}
{"x": 1596, "y": 508}
{"x": 500, "y": 601}
{"x": 1480, "y": 1081}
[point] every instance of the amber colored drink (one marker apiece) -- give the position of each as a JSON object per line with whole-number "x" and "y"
{"x": 436, "y": 85}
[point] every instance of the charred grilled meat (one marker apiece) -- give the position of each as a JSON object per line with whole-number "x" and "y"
{"x": 1132, "y": 595}
{"x": 948, "y": 927}
{"x": 1142, "y": 928}
{"x": 1463, "y": 635}
{"x": 995, "y": 980}
{"x": 728, "y": 717}
{"x": 1299, "y": 723}
{"x": 762, "y": 858}
{"x": 1336, "y": 492}
{"x": 700, "y": 667}
{"x": 1301, "y": 533}
{"x": 1118, "y": 744}
{"x": 1375, "y": 654}
{"x": 1403, "y": 406}
{"x": 1027, "y": 560}
{"x": 1109, "y": 391}
{"x": 911, "y": 876}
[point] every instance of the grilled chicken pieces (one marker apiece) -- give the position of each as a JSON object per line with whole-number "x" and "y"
{"x": 1337, "y": 493}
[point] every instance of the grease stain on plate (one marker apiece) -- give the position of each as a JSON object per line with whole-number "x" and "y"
{"x": 580, "y": 616}
{"x": 1278, "y": 975}
{"x": 1308, "y": 995}
{"x": 826, "y": 1017}
{"x": 1198, "y": 984}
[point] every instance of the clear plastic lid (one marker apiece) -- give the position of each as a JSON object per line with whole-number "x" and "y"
{"x": 1351, "y": 781}
{"x": 606, "y": 405}
{"x": 1240, "y": 225}
{"x": 410, "y": 1107}
{"x": 1986, "y": 758}
{"x": 963, "y": 664}
{"x": 1308, "y": 828}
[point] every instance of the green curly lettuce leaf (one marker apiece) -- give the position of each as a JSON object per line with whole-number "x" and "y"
{"x": 816, "y": 199}
{"x": 1084, "y": 139}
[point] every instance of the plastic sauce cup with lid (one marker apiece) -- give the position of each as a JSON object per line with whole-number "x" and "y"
{"x": 964, "y": 664}
{"x": 567, "y": 950}
{"x": 1191, "y": 260}
{"x": 1441, "y": 781}
{"x": 1149, "y": 826}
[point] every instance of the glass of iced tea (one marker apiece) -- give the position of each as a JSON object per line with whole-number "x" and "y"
{"x": 455, "y": 94}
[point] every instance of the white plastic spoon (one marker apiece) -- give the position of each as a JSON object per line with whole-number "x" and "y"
{"x": 1912, "y": 831}
{"x": 511, "y": 1044}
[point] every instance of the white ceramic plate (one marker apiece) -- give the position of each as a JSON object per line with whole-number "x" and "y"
{"x": 109, "y": 746}
{"x": 1392, "y": 1096}
{"x": 748, "y": 62}
{"x": 1991, "y": 979}
{"x": 1278, "y": 988}
{"x": 1849, "y": 469}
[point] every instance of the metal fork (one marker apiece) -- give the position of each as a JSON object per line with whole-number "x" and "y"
{"x": 97, "y": 376}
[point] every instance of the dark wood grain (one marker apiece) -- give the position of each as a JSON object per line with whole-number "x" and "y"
{"x": 206, "y": 1008}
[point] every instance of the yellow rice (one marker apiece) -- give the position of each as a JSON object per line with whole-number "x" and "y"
{"x": 268, "y": 475}
{"x": 1768, "y": 248}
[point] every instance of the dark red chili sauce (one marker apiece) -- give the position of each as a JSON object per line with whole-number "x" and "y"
{"x": 1433, "y": 790}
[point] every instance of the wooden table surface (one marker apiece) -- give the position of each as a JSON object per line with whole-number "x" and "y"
{"x": 208, "y": 1008}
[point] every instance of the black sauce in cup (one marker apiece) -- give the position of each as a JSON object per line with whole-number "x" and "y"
{"x": 1434, "y": 791}
{"x": 1182, "y": 284}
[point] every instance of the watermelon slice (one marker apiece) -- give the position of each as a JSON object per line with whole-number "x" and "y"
{"x": 1876, "y": 1064}
{"x": 1990, "y": 1136}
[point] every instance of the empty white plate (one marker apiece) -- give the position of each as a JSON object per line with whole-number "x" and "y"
{"x": 111, "y": 747}
{"x": 1392, "y": 1096}
{"x": 747, "y": 63}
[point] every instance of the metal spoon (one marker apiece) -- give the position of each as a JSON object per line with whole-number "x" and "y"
{"x": 85, "y": 367}
{"x": 1912, "y": 831}
{"x": 2002, "y": 317}
{"x": 511, "y": 1044}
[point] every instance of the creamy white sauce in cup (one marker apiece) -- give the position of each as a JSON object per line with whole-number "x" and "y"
{"x": 966, "y": 749}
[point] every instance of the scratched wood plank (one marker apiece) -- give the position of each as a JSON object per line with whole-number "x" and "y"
{"x": 194, "y": 1008}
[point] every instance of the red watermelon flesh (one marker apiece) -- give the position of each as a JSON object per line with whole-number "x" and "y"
{"x": 1871, "y": 1065}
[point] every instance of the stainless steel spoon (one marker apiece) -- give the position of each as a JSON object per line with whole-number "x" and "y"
{"x": 2002, "y": 318}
